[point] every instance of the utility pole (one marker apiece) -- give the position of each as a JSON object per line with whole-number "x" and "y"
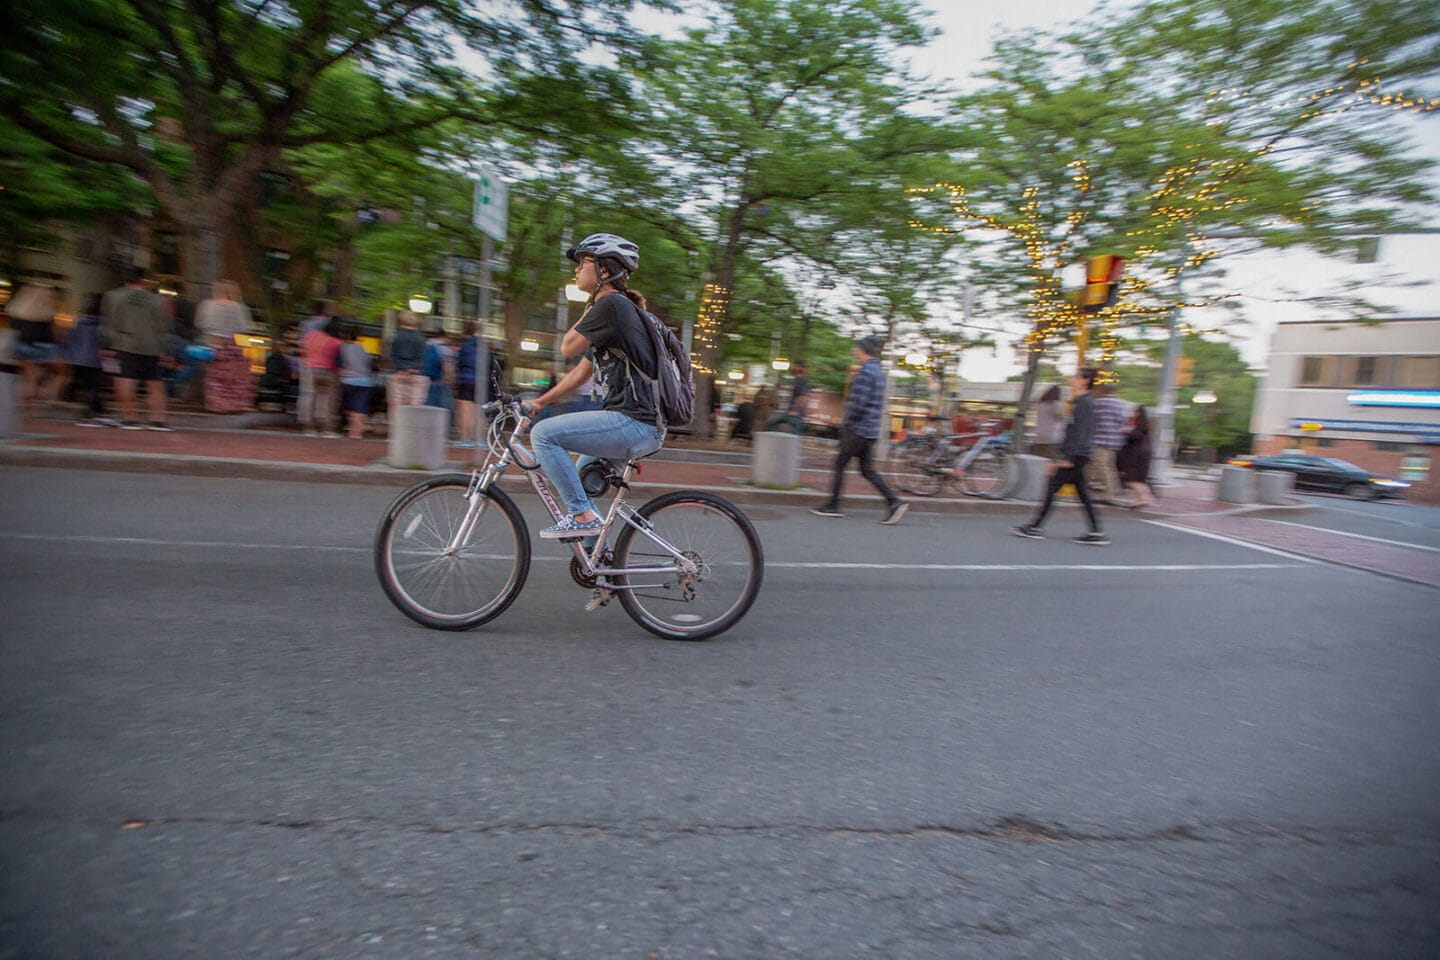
{"x": 1161, "y": 461}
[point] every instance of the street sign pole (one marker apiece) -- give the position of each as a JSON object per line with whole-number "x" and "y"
{"x": 489, "y": 216}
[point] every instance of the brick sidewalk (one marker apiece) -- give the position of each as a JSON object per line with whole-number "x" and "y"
{"x": 239, "y": 445}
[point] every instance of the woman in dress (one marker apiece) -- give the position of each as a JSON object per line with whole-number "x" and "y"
{"x": 229, "y": 387}
{"x": 1133, "y": 461}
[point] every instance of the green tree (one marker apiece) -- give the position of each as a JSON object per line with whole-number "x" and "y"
{"x": 774, "y": 131}
{"x": 197, "y": 99}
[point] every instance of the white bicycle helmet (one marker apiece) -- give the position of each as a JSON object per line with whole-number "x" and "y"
{"x": 607, "y": 246}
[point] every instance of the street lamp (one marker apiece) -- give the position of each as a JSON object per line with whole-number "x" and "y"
{"x": 420, "y": 304}
{"x": 916, "y": 359}
{"x": 574, "y": 294}
{"x": 780, "y": 363}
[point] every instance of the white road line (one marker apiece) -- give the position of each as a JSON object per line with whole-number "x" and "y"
{"x": 1184, "y": 567}
{"x": 206, "y": 544}
{"x": 1357, "y": 536}
{"x": 1232, "y": 540}
{"x": 769, "y": 564}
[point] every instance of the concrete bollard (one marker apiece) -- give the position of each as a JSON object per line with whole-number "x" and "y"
{"x": 419, "y": 438}
{"x": 1031, "y": 480}
{"x": 9, "y": 405}
{"x": 775, "y": 460}
{"x": 1274, "y": 486}
{"x": 1237, "y": 485}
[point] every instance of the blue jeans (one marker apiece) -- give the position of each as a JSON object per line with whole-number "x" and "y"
{"x": 593, "y": 433}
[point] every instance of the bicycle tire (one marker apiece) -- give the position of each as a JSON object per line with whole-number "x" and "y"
{"x": 715, "y": 533}
{"x": 909, "y": 469}
{"x": 457, "y": 592}
{"x": 990, "y": 475}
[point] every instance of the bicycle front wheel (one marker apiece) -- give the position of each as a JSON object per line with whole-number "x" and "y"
{"x": 989, "y": 475}
{"x": 709, "y": 532}
{"x": 444, "y": 584}
{"x": 911, "y": 469}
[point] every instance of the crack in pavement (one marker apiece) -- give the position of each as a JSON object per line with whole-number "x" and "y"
{"x": 1016, "y": 829}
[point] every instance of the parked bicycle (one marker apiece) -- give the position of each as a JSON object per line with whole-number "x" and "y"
{"x": 453, "y": 551}
{"x": 979, "y": 464}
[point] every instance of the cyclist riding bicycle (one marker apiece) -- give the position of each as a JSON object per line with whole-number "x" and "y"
{"x": 628, "y": 425}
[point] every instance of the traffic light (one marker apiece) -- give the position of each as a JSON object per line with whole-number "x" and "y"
{"x": 1102, "y": 283}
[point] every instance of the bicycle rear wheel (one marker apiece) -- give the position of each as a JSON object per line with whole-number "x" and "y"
{"x": 989, "y": 475}
{"x": 441, "y": 589}
{"x": 720, "y": 540}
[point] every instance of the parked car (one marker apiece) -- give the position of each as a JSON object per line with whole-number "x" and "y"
{"x": 1328, "y": 474}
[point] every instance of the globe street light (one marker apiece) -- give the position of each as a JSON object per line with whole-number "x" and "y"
{"x": 420, "y": 304}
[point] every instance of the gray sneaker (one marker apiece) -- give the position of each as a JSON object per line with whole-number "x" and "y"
{"x": 826, "y": 512}
{"x": 895, "y": 512}
{"x": 1029, "y": 533}
{"x": 1095, "y": 539}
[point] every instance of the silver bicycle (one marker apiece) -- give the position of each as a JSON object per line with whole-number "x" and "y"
{"x": 453, "y": 551}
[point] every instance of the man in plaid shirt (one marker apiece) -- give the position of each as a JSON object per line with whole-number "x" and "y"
{"x": 1110, "y": 415}
{"x": 860, "y": 428}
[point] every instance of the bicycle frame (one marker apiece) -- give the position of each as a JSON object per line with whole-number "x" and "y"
{"x": 514, "y": 452}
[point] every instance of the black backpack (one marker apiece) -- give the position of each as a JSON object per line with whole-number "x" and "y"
{"x": 674, "y": 387}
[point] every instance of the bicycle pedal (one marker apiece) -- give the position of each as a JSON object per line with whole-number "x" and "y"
{"x": 598, "y": 599}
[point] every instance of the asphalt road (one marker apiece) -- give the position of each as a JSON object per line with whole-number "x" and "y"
{"x": 927, "y": 740}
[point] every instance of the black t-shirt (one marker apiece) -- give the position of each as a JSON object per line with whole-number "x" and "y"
{"x": 614, "y": 324}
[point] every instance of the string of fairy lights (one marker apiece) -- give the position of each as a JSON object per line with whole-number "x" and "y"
{"x": 1181, "y": 195}
{"x": 709, "y": 324}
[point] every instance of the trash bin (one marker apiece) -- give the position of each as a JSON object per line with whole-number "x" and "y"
{"x": 775, "y": 460}
{"x": 419, "y": 438}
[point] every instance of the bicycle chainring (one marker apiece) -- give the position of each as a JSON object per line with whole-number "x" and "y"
{"x": 578, "y": 574}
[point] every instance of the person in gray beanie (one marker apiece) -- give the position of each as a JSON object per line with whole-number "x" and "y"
{"x": 860, "y": 428}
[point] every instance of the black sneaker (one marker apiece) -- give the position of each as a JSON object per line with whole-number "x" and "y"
{"x": 130, "y": 425}
{"x": 826, "y": 512}
{"x": 159, "y": 427}
{"x": 1096, "y": 539}
{"x": 1029, "y": 533}
{"x": 91, "y": 422}
{"x": 896, "y": 511}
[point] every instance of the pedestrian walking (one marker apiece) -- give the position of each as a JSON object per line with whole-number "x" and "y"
{"x": 1049, "y": 424}
{"x": 1110, "y": 415}
{"x": 860, "y": 428}
{"x": 1075, "y": 451}
{"x": 135, "y": 326}
{"x": 793, "y": 416}
{"x": 1133, "y": 461}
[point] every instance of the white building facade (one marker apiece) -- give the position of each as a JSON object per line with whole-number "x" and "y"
{"x": 1366, "y": 392}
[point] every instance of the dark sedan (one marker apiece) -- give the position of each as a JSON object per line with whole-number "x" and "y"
{"x": 1328, "y": 474}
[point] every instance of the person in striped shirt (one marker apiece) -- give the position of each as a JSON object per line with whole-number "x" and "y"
{"x": 860, "y": 428}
